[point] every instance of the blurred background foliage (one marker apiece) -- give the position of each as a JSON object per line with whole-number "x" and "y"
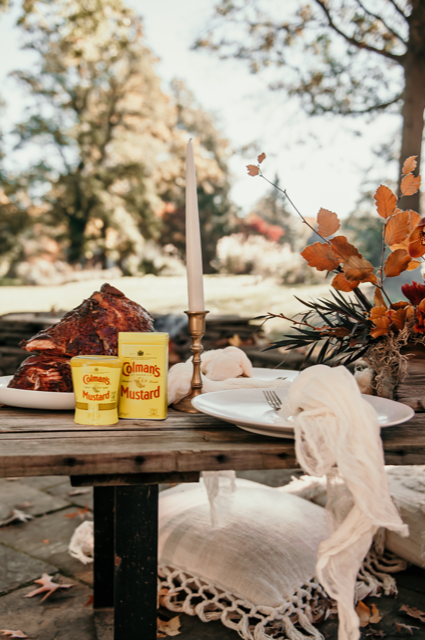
{"x": 106, "y": 190}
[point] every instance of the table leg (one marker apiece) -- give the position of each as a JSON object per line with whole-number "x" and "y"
{"x": 136, "y": 557}
{"x": 103, "y": 587}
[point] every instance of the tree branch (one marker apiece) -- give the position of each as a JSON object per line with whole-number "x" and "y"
{"x": 353, "y": 41}
{"x": 400, "y": 11}
{"x": 374, "y": 15}
{"x": 360, "y": 112}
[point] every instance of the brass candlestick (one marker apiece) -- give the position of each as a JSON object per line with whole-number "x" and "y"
{"x": 196, "y": 331}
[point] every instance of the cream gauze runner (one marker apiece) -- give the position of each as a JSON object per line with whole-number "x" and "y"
{"x": 337, "y": 432}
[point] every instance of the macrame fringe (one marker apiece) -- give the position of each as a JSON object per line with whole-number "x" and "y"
{"x": 310, "y": 603}
{"x": 196, "y": 596}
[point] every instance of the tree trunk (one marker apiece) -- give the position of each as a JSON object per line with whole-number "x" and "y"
{"x": 414, "y": 94}
{"x": 77, "y": 227}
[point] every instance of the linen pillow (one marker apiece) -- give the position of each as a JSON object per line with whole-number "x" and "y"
{"x": 255, "y": 572}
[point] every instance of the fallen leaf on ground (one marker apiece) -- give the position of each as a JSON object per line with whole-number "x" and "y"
{"x": 48, "y": 587}
{"x": 400, "y": 627}
{"x": 169, "y": 627}
{"x": 16, "y": 516}
{"x": 45, "y": 541}
{"x": 79, "y": 492}
{"x": 365, "y": 616}
{"x": 25, "y": 505}
{"x": 13, "y": 634}
{"x": 89, "y": 601}
{"x": 413, "y": 612}
{"x": 81, "y": 513}
{"x": 160, "y": 601}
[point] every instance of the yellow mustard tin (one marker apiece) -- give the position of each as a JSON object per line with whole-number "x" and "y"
{"x": 143, "y": 388}
{"x": 96, "y": 382}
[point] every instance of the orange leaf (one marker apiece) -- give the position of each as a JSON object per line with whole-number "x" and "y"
{"x": 363, "y": 612}
{"x": 385, "y": 200}
{"x": 357, "y": 268}
{"x": 410, "y": 184}
{"x": 340, "y": 283}
{"x": 253, "y": 170}
{"x": 417, "y": 240}
{"x": 398, "y": 318}
{"x": 343, "y": 249}
{"x": 414, "y": 218}
{"x": 413, "y": 264}
{"x": 397, "y": 228}
{"x": 396, "y": 263}
{"x": 89, "y": 601}
{"x": 328, "y": 223}
{"x": 409, "y": 165}
{"x": 261, "y": 157}
{"x": 378, "y": 316}
{"x": 375, "y": 617}
{"x": 321, "y": 256}
{"x": 378, "y": 298}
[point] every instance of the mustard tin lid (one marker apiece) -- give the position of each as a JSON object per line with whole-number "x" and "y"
{"x": 104, "y": 361}
{"x": 134, "y": 337}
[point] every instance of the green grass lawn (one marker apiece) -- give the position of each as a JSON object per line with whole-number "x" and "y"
{"x": 247, "y": 296}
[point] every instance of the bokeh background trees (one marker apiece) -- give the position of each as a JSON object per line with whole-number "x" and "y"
{"x": 92, "y": 171}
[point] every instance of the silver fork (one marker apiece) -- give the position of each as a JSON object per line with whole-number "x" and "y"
{"x": 273, "y": 399}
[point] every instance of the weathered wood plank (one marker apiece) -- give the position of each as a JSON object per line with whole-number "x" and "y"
{"x": 29, "y": 420}
{"x": 176, "y": 451}
{"x": 182, "y": 443}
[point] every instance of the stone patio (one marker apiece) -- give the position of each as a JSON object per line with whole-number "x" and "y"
{"x": 41, "y": 545}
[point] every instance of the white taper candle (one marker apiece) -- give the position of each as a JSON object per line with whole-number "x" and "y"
{"x": 195, "y": 284}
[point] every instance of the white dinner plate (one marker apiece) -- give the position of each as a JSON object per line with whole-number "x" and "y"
{"x": 55, "y": 401}
{"x": 272, "y": 374}
{"x": 248, "y": 409}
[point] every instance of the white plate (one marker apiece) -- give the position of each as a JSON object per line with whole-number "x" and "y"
{"x": 35, "y": 399}
{"x": 272, "y": 374}
{"x": 248, "y": 409}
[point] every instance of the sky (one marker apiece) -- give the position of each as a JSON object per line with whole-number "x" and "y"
{"x": 320, "y": 161}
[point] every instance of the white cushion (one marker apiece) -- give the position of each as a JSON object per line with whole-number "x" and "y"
{"x": 264, "y": 552}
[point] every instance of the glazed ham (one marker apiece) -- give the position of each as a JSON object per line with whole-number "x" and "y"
{"x": 43, "y": 373}
{"x": 90, "y": 329}
{"x": 93, "y": 327}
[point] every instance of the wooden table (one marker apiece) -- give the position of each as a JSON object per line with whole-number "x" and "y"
{"x": 125, "y": 463}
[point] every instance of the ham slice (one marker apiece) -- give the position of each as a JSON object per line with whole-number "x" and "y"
{"x": 43, "y": 373}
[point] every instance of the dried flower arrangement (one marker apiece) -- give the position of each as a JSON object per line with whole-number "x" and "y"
{"x": 348, "y": 328}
